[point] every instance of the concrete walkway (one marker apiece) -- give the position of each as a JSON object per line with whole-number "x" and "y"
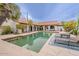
{"x": 3, "y": 37}
{"x": 49, "y": 50}
{"x": 8, "y": 49}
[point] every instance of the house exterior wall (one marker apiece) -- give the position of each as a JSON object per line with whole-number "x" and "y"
{"x": 35, "y": 28}
{"x": 27, "y": 29}
{"x": 56, "y": 28}
{"x": 43, "y": 28}
{"x": 32, "y": 27}
{"x": 59, "y": 28}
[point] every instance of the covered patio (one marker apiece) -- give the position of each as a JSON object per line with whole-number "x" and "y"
{"x": 43, "y": 26}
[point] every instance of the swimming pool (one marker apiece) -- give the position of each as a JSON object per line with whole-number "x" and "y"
{"x": 32, "y": 42}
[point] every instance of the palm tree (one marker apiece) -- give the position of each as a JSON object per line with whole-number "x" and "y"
{"x": 30, "y": 24}
{"x": 9, "y": 10}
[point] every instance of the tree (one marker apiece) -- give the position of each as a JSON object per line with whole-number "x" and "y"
{"x": 68, "y": 26}
{"x": 15, "y": 11}
{"x": 3, "y": 12}
{"x": 29, "y": 22}
{"x": 9, "y": 10}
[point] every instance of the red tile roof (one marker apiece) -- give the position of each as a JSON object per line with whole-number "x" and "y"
{"x": 49, "y": 23}
{"x": 42, "y": 23}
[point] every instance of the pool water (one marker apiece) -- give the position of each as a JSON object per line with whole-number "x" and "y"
{"x": 32, "y": 42}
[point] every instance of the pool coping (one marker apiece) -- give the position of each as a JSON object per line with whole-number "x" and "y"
{"x": 4, "y": 37}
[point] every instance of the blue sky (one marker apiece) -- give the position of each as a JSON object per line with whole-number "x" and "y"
{"x": 50, "y": 11}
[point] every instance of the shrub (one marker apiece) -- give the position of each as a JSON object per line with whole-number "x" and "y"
{"x": 6, "y": 30}
{"x": 20, "y": 26}
{"x": 68, "y": 26}
{"x": 75, "y": 32}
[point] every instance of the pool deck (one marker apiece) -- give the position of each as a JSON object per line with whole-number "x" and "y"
{"x": 8, "y": 49}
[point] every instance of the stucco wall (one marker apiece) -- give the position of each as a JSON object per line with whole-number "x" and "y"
{"x": 58, "y": 28}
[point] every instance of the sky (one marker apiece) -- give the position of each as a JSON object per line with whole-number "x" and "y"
{"x": 49, "y": 11}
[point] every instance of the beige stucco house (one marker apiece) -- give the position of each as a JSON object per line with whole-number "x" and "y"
{"x": 42, "y": 26}
{"x": 36, "y": 26}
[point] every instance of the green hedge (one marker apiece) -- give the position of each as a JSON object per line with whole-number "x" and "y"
{"x": 75, "y": 32}
{"x": 6, "y": 30}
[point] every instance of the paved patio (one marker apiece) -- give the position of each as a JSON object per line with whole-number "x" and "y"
{"x": 8, "y": 49}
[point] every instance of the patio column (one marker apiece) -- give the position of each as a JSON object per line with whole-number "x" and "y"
{"x": 48, "y": 28}
{"x": 56, "y": 28}
{"x": 36, "y": 28}
{"x": 27, "y": 28}
{"x": 43, "y": 28}
{"x": 32, "y": 27}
